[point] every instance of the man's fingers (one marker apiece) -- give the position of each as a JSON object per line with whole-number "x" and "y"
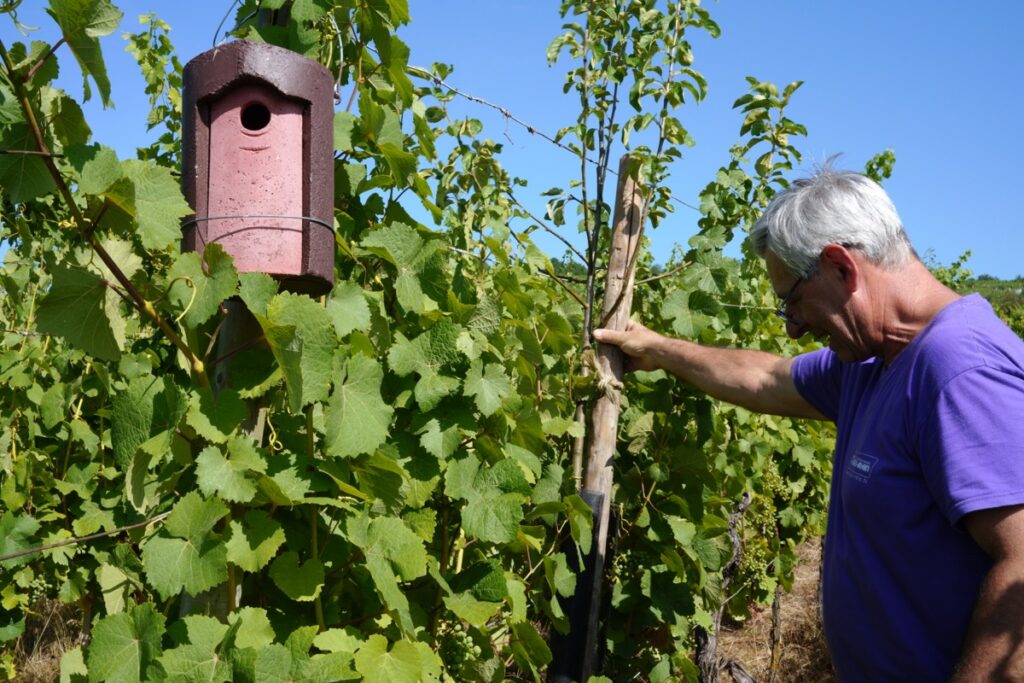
{"x": 608, "y": 336}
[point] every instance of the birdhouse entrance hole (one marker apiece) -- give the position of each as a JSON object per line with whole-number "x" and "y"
{"x": 255, "y": 116}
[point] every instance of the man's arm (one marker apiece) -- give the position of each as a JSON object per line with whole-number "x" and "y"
{"x": 994, "y": 649}
{"x": 755, "y": 380}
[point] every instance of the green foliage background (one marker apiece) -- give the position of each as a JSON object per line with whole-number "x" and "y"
{"x": 410, "y": 509}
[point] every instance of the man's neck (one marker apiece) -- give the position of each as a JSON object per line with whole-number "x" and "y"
{"x": 910, "y": 298}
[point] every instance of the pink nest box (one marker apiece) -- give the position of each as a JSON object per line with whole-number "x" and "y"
{"x": 258, "y": 162}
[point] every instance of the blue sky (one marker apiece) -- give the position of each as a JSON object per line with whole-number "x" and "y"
{"x": 930, "y": 80}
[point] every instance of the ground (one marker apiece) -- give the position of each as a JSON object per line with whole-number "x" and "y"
{"x": 805, "y": 656}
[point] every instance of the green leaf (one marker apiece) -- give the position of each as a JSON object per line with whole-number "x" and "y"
{"x": 489, "y": 385}
{"x": 253, "y": 544}
{"x": 357, "y": 418}
{"x": 175, "y": 564}
{"x": 82, "y": 22}
{"x": 201, "y": 284}
{"x": 198, "y": 660}
{"x": 406, "y": 662}
{"x": 147, "y": 409}
{"x": 257, "y": 290}
{"x": 529, "y": 646}
{"x": 299, "y": 582}
{"x": 344, "y": 125}
{"x": 348, "y": 309}
{"x": 494, "y": 519}
{"x": 72, "y": 666}
{"x": 76, "y": 308}
{"x": 230, "y": 477}
{"x": 115, "y": 587}
{"x": 427, "y": 353}
{"x": 159, "y": 204}
{"x": 97, "y": 165}
{"x": 125, "y": 646}
{"x": 391, "y": 539}
{"x": 16, "y": 532}
{"x": 23, "y": 177}
{"x": 215, "y": 418}
{"x": 255, "y": 629}
{"x": 301, "y": 337}
{"x": 416, "y": 260}
{"x": 560, "y": 578}
{"x": 193, "y": 517}
{"x": 121, "y": 252}
{"x": 484, "y": 580}
{"x": 469, "y": 609}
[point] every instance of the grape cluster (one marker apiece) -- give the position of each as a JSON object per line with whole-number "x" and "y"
{"x": 458, "y": 649}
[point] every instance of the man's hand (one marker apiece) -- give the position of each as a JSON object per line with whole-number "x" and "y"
{"x": 637, "y": 342}
{"x": 756, "y": 380}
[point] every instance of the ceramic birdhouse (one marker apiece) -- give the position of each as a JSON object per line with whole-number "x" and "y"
{"x": 257, "y": 162}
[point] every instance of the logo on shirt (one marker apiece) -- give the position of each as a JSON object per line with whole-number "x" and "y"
{"x": 860, "y": 467}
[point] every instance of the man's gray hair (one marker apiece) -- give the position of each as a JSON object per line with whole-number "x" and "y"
{"x": 831, "y": 207}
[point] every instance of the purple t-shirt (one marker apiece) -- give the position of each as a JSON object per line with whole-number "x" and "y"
{"x": 936, "y": 435}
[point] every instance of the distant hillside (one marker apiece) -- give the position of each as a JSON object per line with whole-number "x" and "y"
{"x": 1006, "y": 297}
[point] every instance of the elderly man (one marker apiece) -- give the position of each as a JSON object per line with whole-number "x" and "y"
{"x": 924, "y": 554}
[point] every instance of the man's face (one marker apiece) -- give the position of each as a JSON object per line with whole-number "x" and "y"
{"x": 819, "y": 305}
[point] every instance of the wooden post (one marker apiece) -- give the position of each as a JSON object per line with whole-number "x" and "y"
{"x": 604, "y": 421}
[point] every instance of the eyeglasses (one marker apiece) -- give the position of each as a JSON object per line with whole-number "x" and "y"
{"x": 784, "y": 302}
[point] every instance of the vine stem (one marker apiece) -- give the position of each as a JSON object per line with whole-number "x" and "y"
{"x": 137, "y": 299}
{"x": 314, "y": 521}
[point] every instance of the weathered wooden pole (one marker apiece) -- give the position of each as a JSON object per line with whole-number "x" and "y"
{"x": 604, "y": 419}
{"x": 575, "y": 654}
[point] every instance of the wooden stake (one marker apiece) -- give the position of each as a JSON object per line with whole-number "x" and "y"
{"x": 618, "y": 303}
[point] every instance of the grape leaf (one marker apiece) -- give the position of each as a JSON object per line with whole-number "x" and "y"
{"x": 16, "y": 532}
{"x": 255, "y": 629}
{"x": 253, "y": 544}
{"x": 357, "y": 418}
{"x": 257, "y": 290}
{"x": 75, "y": 308}
{"x": 148, "y": 408}
{"x": 404, "y": 663}
{"x": 83, "y": 22}
{"x": 302, "y": 339}
{"x": 23, "y": 176}
{"x": 494, "y": 518}
{"x": 299, "y": 582}
{"x": 72, "y": 666}
{"x": 348, "y": 309}
{"x": 115, "y": 587}
{"x": 193, "y": 518}
{"x": 201, "y": 284}
{"x": 158, "y": 203}
{"x": 489, "y": 385}
{"x": 125, "y": 646}
{"x": 417, "y": 260}
{"x": 199, "y": 659}
{"x": 230, "y": 477}
{"x": 215, "y": 418}
{"x": 175, "y": 564}
{"x": 468, "y": 608}
{"x": 97, "y": 165}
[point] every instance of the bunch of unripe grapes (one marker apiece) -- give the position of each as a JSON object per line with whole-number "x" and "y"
{"x": 456, "y": 647}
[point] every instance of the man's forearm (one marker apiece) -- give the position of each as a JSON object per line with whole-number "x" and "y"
{"x": 994, "y": 648}
{"x": 752, "y": 379}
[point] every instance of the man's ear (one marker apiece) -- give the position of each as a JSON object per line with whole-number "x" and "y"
{"x": 841, "y": 261}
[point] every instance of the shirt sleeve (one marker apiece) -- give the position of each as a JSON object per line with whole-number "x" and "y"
{"x": 818, "y": 377}
{"x": 972, "y": 445}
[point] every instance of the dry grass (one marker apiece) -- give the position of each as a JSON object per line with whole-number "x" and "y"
{"x": 805, "y": 657}
{"x": 52, "y": 630}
